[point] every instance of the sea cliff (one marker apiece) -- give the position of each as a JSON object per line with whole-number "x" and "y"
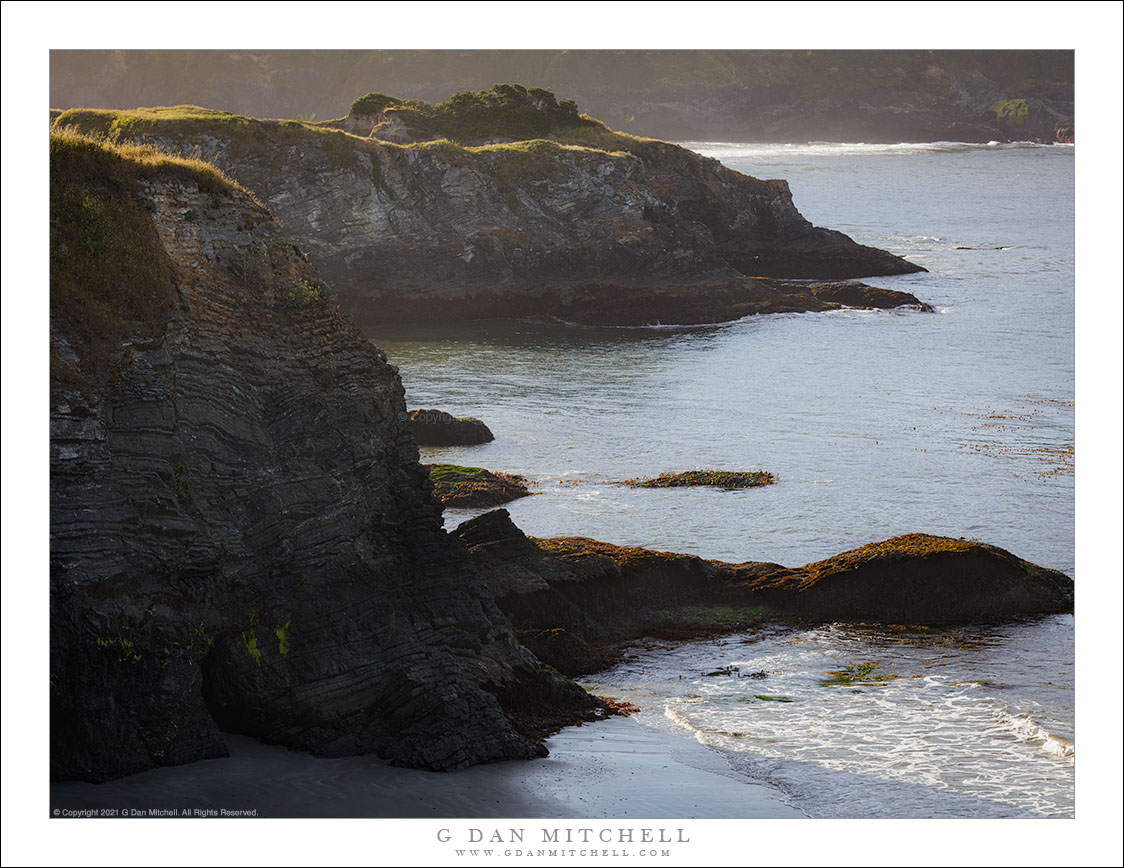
{"x": 415, "y": 211}
{"x": 241, "y": 534}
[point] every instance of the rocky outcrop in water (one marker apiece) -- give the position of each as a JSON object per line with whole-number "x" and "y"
{"x": 583, "y": 224}
{"x": 242, "y": 538}
{"x": 438, "y": 428}
{"x": 575, "y": 601}
{"x": 471, "y": 487}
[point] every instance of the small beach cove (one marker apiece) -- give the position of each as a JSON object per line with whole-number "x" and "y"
{"x": 612, "y": 768}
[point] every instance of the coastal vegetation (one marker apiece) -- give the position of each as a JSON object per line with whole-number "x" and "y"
{"x": 728, "y": 479}
{"x": 506, "y": 111}
{"x": 912, "y": 547}
{"x": 457, "y": 486}
{"x": 857, "y": 673}
{"x": 183, "y": 130}
{"x": 485, "y": 127}
{"x": 576, "y": 549}
{"x": 1013, "y": 110}
{"x": 306, "y": 293}
{"x": 110, "y": 277}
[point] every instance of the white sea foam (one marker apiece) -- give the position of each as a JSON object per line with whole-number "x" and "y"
{"x": 925, "y": 734}
{"x": 727, "y": 151}
{"x": 1029, "y": 730}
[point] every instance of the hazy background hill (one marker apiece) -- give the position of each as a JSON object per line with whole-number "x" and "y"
{"x": 874, "y": 96}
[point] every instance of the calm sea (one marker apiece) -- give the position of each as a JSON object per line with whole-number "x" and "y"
{"x": 877, "y": 423}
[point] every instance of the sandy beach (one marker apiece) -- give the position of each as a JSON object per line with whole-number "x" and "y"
{"x": 615, "y": 768}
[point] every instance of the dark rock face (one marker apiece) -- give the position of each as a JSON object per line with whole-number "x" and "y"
{"x": 242, "y": 536}
{"x": 602, "y": 229}
{"x": 438, "y": 428}
{"x": 851, "y": 294}
{"x": 577, "y": 600}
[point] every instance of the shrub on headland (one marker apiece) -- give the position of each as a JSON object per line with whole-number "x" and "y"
{"x": 506, "y": 111}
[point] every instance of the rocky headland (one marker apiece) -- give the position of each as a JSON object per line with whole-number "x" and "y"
{"x": 510, "y": 203}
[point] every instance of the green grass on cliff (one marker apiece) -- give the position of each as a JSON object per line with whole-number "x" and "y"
{"x": 535, "y": 147}
{"x": 81, "y": 155}
{"x": 186, "y": 123}
{"x": 117, "y": 125}
{"x": 110, "y": 277}
{"x": 519, "y": 115}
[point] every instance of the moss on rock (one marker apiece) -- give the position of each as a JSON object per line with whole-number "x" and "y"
{"x": 728, "y": 479}
{"x": 458, "y": 486}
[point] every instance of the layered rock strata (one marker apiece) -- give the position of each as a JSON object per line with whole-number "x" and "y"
{"x": 242, "y": 538}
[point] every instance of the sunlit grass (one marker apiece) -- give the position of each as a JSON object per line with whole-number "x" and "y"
{"x": 79, "y": 155}
{"x": 111, "y": 280}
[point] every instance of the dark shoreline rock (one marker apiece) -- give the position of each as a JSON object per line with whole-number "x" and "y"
{"x": 638, "y": 303}
{"x": 859, "y": 295}
{"x": 469, "y": 487}
{"x": 438, "y": 428}
{"x": 580, "y": 600}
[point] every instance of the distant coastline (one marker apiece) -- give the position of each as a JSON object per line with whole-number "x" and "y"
{"x": 743, "y": 96}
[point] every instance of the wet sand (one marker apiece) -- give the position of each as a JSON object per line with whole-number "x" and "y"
{"x": 615, "y": 768}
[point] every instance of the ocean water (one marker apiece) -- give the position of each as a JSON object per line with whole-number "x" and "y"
{"x": 959, "y": 422}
